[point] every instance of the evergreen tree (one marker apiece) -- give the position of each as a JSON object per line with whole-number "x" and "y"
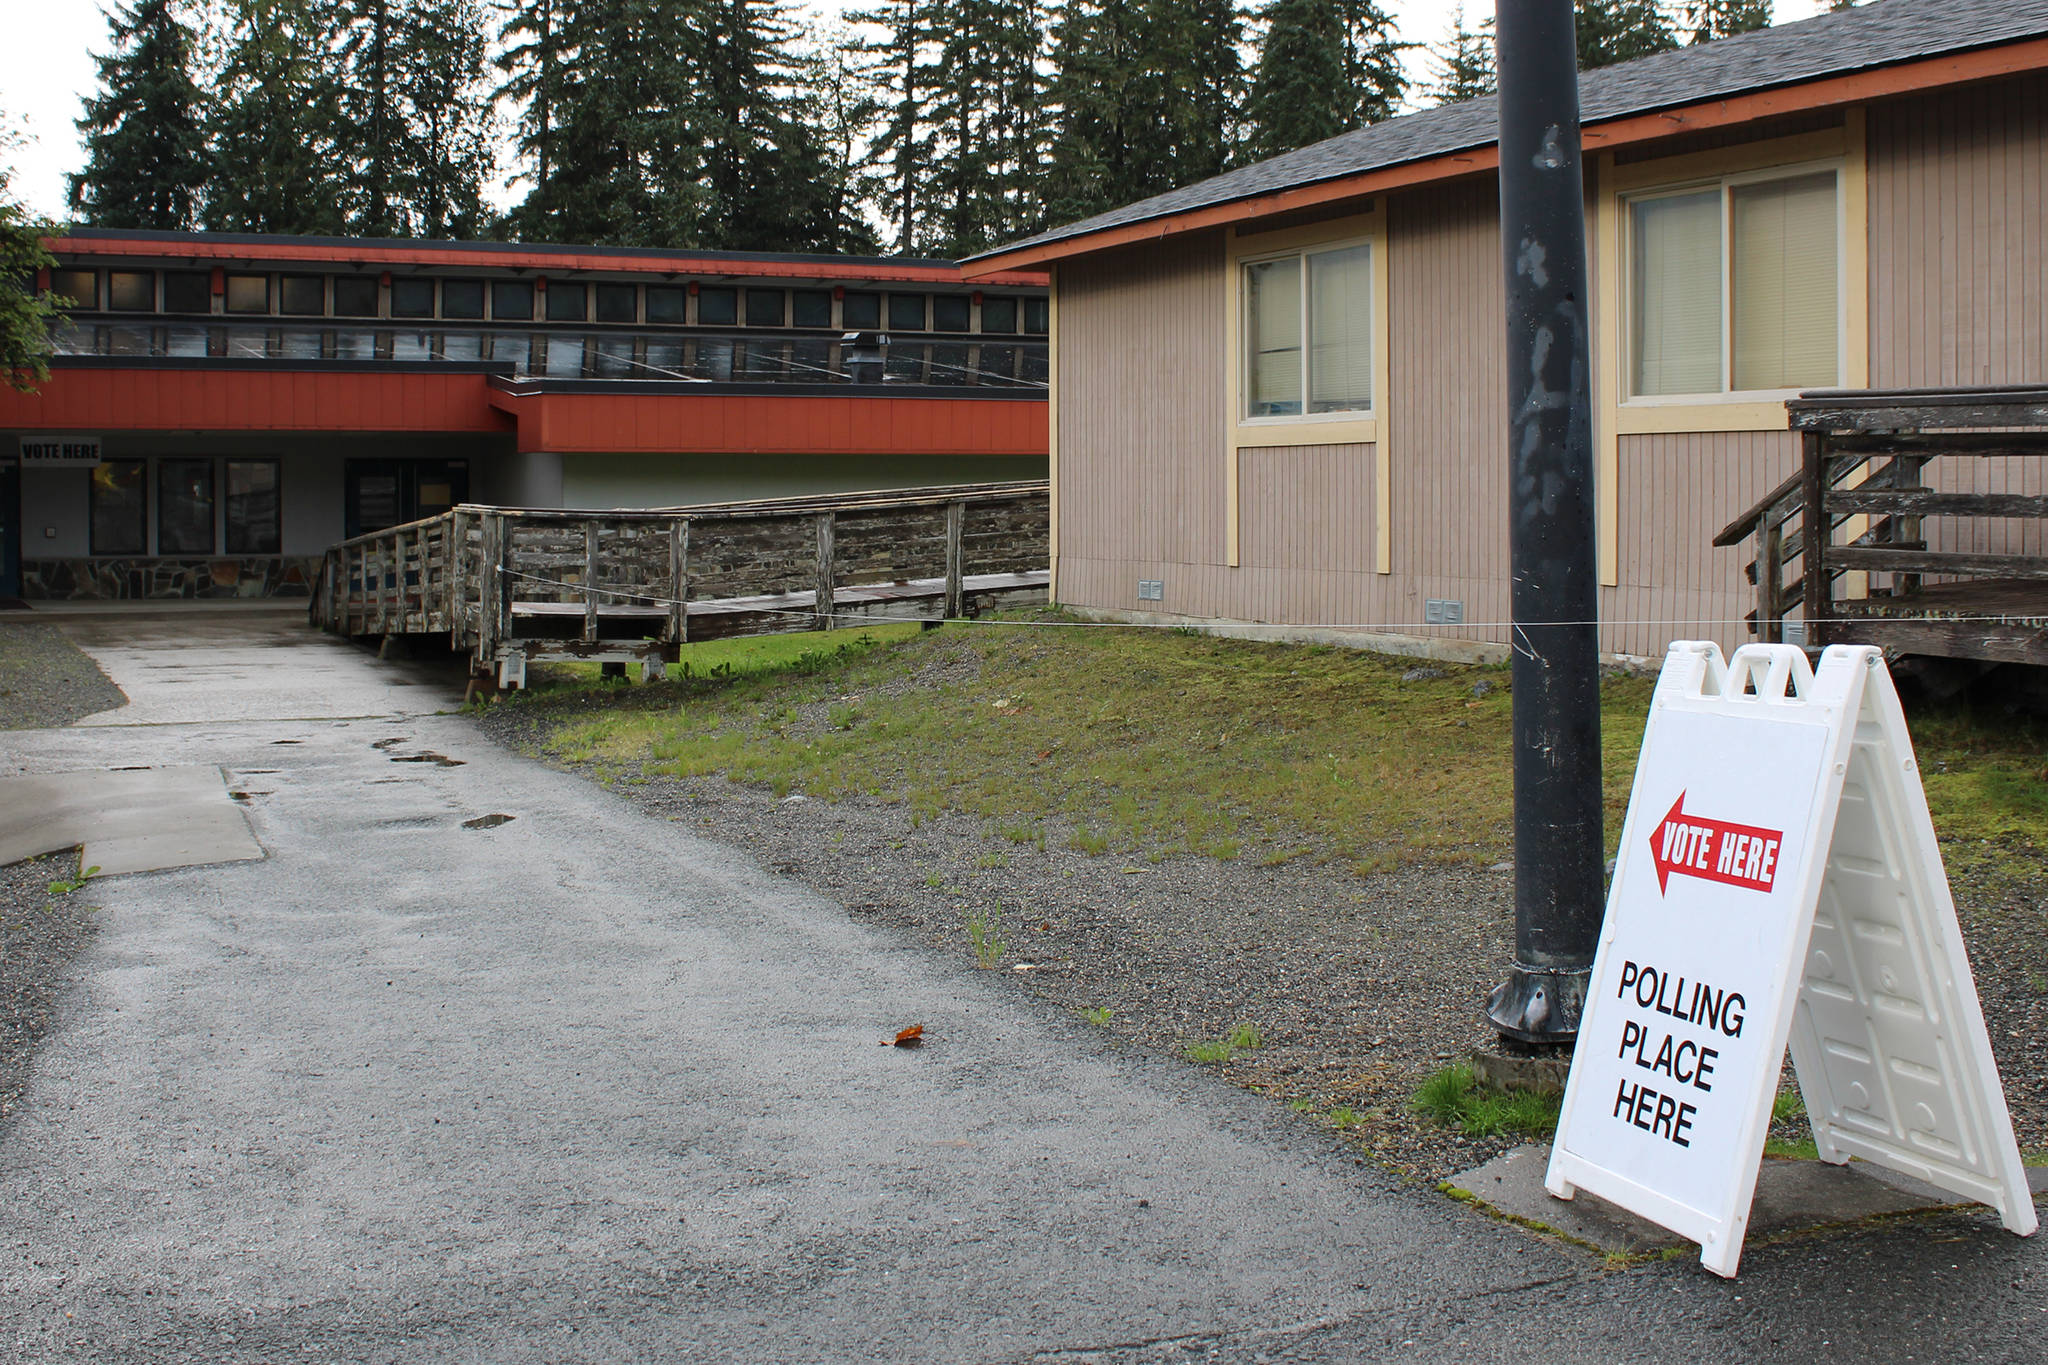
{"x": 671, "y": 123}
{"x": 145, "y": 149}
{"x": 530, "y": 60}
{"x": 1611, "y": 31}
{"x": 763, "y": 176}
{"x": 1711, "y": 19}
{"x": 25, "y": 317}
{"x": 986, "y": 134}
{"x": 900, "y": 69}
{"x": 1326, "y": 67}
{"x": 416, "y": 115}
{"x": 1146, "y": 94}
{"x": 619, "y": 84}
{"x": 1463, "y": 62}
{"x": 835, "y": 103}
{"x": 271, "y": 131}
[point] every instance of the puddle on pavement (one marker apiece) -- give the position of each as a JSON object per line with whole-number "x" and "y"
{"x": 438, "y": 760}
{"x": 491, "y": 821}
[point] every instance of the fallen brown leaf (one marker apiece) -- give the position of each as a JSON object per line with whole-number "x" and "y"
{"x": 909, "y": 1037}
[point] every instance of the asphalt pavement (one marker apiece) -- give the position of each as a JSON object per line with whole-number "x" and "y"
{"x": 583, "y": 1085}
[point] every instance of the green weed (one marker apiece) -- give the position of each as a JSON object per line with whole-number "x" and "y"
{"x": 1241, "y": 1038}
{"x": 1455, "y": 1098}
{"x": 1097, "y": 1015}
{"x": 65, "y": 886}
{"x": 985, "y": 932}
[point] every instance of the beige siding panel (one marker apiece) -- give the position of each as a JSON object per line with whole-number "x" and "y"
{"x": 1676, "y": 493}
{"x": 1141, "y": 371}
{"x": 1142, "y": 459}
{"x": 1959, "y": 271}
{"x": 1449, "y": 376}
{"x": 1958, "y": 232}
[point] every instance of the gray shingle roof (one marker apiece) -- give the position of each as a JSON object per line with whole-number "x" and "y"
{"x": 1873, "y": 35}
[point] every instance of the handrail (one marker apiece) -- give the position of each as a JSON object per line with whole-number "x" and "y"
{"x": 1888, "y": 439}
{"x": 931, "y": 496}
{"x": 512, "y": 583}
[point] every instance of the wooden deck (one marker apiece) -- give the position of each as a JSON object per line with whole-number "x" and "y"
{"x": 1864, "y": 546}
{"x": 510, "y": 585}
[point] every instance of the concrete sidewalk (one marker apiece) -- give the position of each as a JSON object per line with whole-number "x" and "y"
{"x": 583, "y": 1086}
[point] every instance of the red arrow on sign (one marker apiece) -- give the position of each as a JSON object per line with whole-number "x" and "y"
{"x": 1714, "y": 850}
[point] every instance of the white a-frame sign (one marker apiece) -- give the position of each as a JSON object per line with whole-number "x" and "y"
{"x": 1778, "y": 881}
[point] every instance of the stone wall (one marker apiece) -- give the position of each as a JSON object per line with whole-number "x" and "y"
{"x": 75, "y": 580}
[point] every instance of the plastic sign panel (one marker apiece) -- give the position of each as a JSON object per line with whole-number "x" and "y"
{"x": 1778, "y": 882}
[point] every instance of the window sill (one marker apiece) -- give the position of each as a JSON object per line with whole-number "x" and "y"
{"x": 1305, "y": 431}
{"x": 1734, "y": 412}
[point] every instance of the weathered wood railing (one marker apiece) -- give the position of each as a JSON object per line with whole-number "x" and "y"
{"x": 1865, "y": 473}
{"x": 512, "y": 584}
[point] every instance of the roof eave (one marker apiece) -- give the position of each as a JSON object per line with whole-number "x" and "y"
{"x": 1854, "y": 87}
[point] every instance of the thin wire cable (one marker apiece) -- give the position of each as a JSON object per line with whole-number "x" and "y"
{"x": 599, "y": 590}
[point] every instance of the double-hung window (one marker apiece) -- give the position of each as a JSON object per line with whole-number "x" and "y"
{"x": 1735, "y": 285}
{"x": 1307, "y": 333}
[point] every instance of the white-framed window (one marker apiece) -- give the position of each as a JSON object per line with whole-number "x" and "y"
{"x": 1734, "y": 284}
{"x": 1307, "y": 334}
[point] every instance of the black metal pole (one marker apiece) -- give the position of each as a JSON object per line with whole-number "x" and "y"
{"x": 1558, "y": 848}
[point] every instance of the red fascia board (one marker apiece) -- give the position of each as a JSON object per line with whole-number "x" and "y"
{"x": 144, "y": 399}
{"x": 747, "y": 424}
{"x": 1854, "y": 88}
{"x": 540, "y": 262}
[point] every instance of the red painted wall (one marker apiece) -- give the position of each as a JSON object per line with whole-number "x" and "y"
{"x": 566, "y": 423}
{"x": 253, "y": 400}
{"x": 142, "y": 399}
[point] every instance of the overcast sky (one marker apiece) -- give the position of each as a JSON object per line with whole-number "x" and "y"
{"x": 46, "y": 68}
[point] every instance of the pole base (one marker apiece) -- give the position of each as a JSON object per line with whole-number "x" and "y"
{"x": 1537, "y": 1005}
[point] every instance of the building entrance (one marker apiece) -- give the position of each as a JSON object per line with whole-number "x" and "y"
{"x": 381, "y": 493}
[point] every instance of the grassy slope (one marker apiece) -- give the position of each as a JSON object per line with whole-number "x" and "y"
{"x": 1158, "y": 742}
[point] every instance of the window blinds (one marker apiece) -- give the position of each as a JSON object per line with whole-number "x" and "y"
{"x": 1340, "y": 330}
{"x": 1676, "y": 293}
{"x": 1272, "y": 308}
{"x": 1783, "y": 333}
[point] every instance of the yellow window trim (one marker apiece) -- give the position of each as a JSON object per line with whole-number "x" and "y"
{"x": 1614, "y": 418}
{"x": 1334, "y": 429}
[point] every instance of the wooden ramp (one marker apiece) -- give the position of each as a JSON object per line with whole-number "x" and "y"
{"x": 508, "y": 585}
{"x": 1918, "y": 522}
